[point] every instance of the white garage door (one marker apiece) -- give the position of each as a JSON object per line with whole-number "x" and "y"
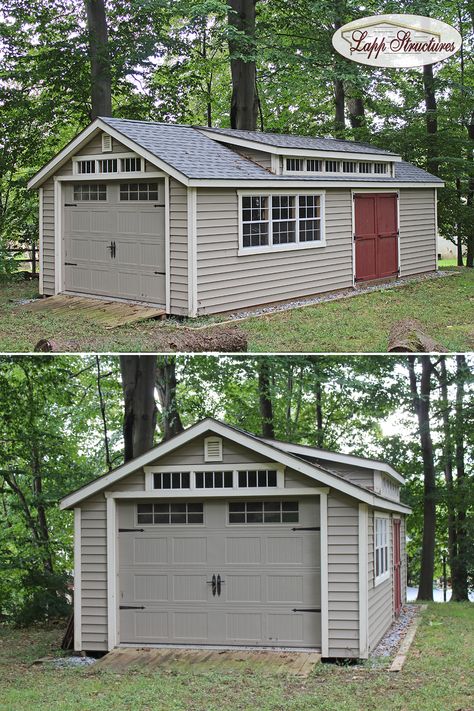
{"x": 114, "y": 239}
{"x": 220, "y": 572}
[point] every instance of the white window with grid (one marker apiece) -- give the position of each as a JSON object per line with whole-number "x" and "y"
{"x": 170, "y": 513}
{"x": 84, "y": 192}
{"x": 131, "y": 165}
{"x": 289, "y": 221}
{"x": 349, "y": 166}
{"x": 295, "y": 164}
{"x": 107, "y": 165}
{"x": 314, "y": 165}
{"x": 380, "y": 168}
{"x": 332, "y": 166}
{"x": 85, "y": 167}
{"x": 365, "y": 168}
{"x": 138, "y": 191}
{"x": 381, "y": 548}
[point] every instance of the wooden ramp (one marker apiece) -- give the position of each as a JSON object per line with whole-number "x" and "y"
{"x": 202, "y": 660}
{"x": 109, "y": 314}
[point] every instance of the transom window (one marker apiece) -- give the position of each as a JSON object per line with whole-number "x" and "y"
{"x": 333, "y": 166}
{"x": 92, "y": 191}
{"x": 264, "y": 477}
{"x": 171, "y": 480}
{"x": 312, "y": 165}
{"x": 139, "y": 191}
{"x": 380, "y": 167}
{"x": 365, "y": 167}
{"x": 263, "y": 512}
{"x": 381, "y": 548}
{"x": 86, "y": 167}
{"x": 349, "y": 166}
{"x": 183, "y": 513}
{"x": 280, "y": 220}
{"x": 107, "y": 165}
{"x": 214, "y": 480}
{"x": 295, "y": 164}
{"x": 130, "y": 165}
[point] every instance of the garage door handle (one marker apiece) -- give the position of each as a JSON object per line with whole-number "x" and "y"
{"x": 314, "y": 528}
{"x": 70, "y": 204}
{"x": 131, "y": 530}
{"x": 306, "y": 609}
{"x": 131, "y": 607}
{"x": 219, "y": 583}
{"x": 70, "y": 264}
{"x": 162, "y": 273}
{"x": 158, "y": 205}
{"x": 213, "y": 582}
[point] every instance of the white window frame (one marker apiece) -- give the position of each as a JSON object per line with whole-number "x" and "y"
{"x": 389, "y": 171}
{"x": 245, "y": 251}
{"x": 170, "y": 525}
{"x": 379, "y": 516}
{"x": 235, "y": 468}
{"x": 120, "y": 157}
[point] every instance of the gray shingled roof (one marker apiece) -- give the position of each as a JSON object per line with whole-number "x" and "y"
{"x": 196, "y": 156}
{"x": 281, "y": 140}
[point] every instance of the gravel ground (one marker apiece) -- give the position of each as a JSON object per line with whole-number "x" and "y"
{"x": 336, "y": 296}
{"x": 390, "y": 642}
{"x": 63, "y": 662}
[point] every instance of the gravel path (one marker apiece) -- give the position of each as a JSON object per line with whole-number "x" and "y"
{"x": 64, "y": 662}
{"x": 392, "y": 639}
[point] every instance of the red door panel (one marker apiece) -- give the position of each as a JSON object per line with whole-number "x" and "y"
{"x": 366, "y": 236}
{"x": 376, "y": 236}
{"x": 397, "y": 582}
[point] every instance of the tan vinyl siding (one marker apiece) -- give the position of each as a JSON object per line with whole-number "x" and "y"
{"x": 227, "y": 281}
{"x": 417, "y": 231}
{"x": 380, "y": 596}
{"x": 94, "y": 573}
{"x": 261, "y": 157}
{"x": 192, "y": 454}
{"x": 343, "y": 576}
{"x": 94, "y": 147}
{"x": 48, "y": 238}
{"x": 178, "y": 247}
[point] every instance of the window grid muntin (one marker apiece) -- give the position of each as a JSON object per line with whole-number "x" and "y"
{"x": 86, "y": 167}
{"x": 269, "y": 512}
{"x": 221, "y": 479}
{"x": 380, "y": 168}
{"x": 184, "y": 513}
{"x": 140, "y": 191}
{"x": 285, "y": 235}
{"x": 365, "y": 168}
{"x": 131, "y": 165}
{"x": 89, "y": 192}
{"x": 349, "y": 166}
{"x": 251, "y": 478}
{"x": 107, "y": 165}
{"x": 381, "y": 536}
{"x": 332, "y": 166}
{"x": 172, "y": 480}
{"x": 316, "y": 165}
{"x": 295, "y": 164}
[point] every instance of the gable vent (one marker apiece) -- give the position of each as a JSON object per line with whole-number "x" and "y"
{"x": 106, "y": 143}
{"x": 212, "y": 449}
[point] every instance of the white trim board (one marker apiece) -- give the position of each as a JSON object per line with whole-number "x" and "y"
{"x": 323, "y": 524}
{"x": 58, "y": 237}
{"x": 279, "y": 183}
{"x": 111, "y": 574}
{"x": 242, "y": 493}
{"x": 40, "y": 240}
{"x": 192, "y": 252}
{"x": 108, "y": 177}
{"x": 363, "y": 581}
{"x": 77, "y": 581}
{"x": 167, "y": 247}
{"x": 322, "y": 476}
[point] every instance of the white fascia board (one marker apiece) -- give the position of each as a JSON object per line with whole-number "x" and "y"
{"x": 253, "y": 184}
{"x": 337, "y": 457}
{"x": 63, "y": 156}
{"x": 216, "y": 493}
{"x": 83, "y": 138}
{"x": 268, "y": 451}
{"x": 303, "y": 152}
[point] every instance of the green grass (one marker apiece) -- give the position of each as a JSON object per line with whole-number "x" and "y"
{"x": 360, "y": 324}
{"x": 437, "y": 677}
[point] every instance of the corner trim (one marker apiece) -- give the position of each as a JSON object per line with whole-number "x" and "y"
{"x": 58, "y": 244}
{"x": 111, "y": 574}
{"x": 167, "y": 247}
{"x": 323, "y": 499}
{"x": 363, "y": 581}
{"x": 77, "y": 581}
{"x": 40, "y": 239}
{"x": 192, "y": 251}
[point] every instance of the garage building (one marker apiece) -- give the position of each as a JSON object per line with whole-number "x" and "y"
{"x": 203, "y": 220}
{"x": 219, "y": 537}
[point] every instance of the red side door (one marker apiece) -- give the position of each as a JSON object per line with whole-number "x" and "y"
{"x": 397, "y": 578}
{"x": 375, "y": 235}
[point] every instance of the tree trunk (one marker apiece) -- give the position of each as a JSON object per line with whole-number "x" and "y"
{"x": 459, "y": 254}
{"x": 101, "y": 82}
{"x": 421, "y": 406}
{"x": 319, "y": 414}
{"x": 266, "y": 406}
{"x": 356, "y": 112}
{"x": 339, "y": 102}
{"x": 470, "y": 198}
{"x": 139, "y": 422}
{"x": 243, "y": 110}
{"x": 103, "y": 414}
{"x": 166, "y": 383}
{"x": 431, "y": 119}
{"x": 460, "y": 579}
{"x": 448, "y": 468}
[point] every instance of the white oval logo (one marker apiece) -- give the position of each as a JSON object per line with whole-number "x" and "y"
{"x": 396, "y": 40}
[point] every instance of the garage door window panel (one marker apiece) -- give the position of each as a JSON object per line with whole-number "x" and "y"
{"x": 141, "y": 192}
{"x": 170, "y": 513}
{"x": 85, "y": 192}
{"x": 264, "y": 512}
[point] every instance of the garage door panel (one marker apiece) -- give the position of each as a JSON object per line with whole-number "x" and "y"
{"x": 261, "y": 584}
